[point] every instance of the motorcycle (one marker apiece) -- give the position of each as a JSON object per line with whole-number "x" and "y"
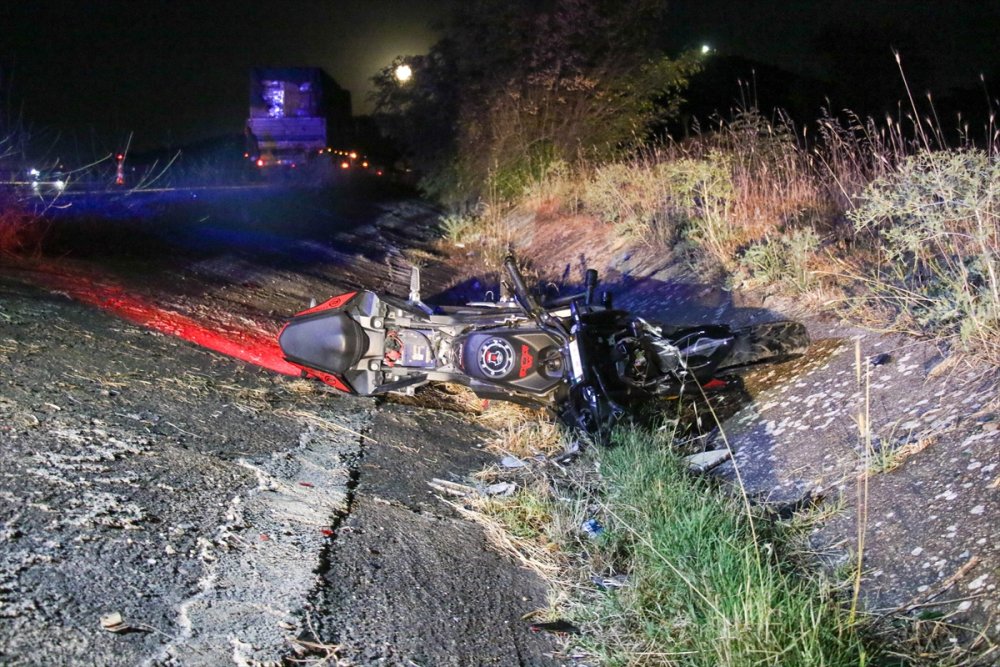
{"x": 577, "y": 356}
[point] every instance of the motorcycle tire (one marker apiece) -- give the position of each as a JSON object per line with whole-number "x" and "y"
{"x": 771, "y": 341}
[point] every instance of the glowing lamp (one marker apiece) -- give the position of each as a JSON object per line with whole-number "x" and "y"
{"x": 260, "y": 162}
{"x": 353, "y": 155}
{"x": 705, "y": 49}
{"x": 345, "y": 165}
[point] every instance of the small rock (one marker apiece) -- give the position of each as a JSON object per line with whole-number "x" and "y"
{"x": 705, "y": 461}
{"x": 511, "y": 462}
{"x": 500, "y": 489}
{"x": 880, "y": 359}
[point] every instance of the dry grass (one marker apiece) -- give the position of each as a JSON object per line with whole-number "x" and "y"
{"x": 522, "y": 432}
{"x": 516, "y": 526}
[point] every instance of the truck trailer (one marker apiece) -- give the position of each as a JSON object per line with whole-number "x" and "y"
{"x": 296, "y": 113}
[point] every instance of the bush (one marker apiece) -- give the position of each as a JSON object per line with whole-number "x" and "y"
{"x": 784, "y": 259}
{"x": 657, "y": 201}
{"x": 934, "y": 223}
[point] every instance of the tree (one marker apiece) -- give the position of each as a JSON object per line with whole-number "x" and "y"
{"x": 516, "y": 86}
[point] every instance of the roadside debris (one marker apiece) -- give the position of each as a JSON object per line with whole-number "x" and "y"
{"x": 591, "y": 528}
{"x": 512, "y": 462}
{"x": 500, "y": 489}
{"x": 609, "y": 583}
{"x": 451, "y": 488}
{"x": 705, "y": 461}
{"x": 114, "y": 622}
{"x": 462, "y": 490}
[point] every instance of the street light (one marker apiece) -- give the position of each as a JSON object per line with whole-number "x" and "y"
{"x": 403, "y": 73}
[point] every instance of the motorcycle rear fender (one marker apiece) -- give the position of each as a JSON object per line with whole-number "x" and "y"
{"x": 358, "y": 307}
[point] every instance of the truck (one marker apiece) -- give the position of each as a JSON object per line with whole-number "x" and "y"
{"x": 296, "y": 113}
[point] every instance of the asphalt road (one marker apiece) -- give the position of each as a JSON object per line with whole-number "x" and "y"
{"x": 165, "y": 504}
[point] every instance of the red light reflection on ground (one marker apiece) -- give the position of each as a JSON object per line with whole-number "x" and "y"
{"x": 250, "y": 347}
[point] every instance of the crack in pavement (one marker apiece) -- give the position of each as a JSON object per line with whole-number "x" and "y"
{"x": 262, "y": 561}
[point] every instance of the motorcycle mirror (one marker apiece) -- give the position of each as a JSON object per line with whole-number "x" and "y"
{"x": 415, "y": 291}
{"x": 415, "y": 284}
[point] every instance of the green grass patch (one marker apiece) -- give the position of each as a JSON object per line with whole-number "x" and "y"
{"x": 708, "y": 583}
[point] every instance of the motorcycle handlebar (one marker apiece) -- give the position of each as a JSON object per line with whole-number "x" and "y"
{"x": 520, "y": 289}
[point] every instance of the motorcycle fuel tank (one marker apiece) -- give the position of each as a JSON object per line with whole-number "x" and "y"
{"x": 528, "y": 360}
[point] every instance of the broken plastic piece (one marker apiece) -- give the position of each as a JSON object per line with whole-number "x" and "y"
{"x": 114, "y": 622}
{"x": 592, "y": 528}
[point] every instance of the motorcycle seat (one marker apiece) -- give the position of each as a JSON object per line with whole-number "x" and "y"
{"x": 331, "y": 342}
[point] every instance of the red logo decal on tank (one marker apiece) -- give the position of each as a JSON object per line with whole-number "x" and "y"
{"x": 527, "y": 361}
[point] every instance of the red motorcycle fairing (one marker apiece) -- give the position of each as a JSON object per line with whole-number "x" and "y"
{"x": 329, "y": 304}
{"x": 326, "y": 378}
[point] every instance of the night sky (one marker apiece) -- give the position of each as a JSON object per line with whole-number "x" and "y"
{"x": 175, "y": 72}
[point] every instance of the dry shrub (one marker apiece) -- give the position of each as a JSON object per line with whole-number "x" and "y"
{"x": 20, "y": 233}
{"x": 934, "y": 224}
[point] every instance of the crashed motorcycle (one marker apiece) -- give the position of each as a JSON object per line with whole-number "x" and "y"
{"x": 577, "y": 355}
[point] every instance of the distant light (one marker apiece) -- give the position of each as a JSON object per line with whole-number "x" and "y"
{"x": 404, "y": 73}
{"x": 353, "y": 155}
{"x": 60, "y": 185}
{"x": 345, "y": 165}
{"x": 365, "y": 164}
{"x": 119, "y": 157}
{"x": 378, "y": 173}
{"x": 34, "y": 172}
{"x": 705, "y": 49}
{"x": 260, "y": 162}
